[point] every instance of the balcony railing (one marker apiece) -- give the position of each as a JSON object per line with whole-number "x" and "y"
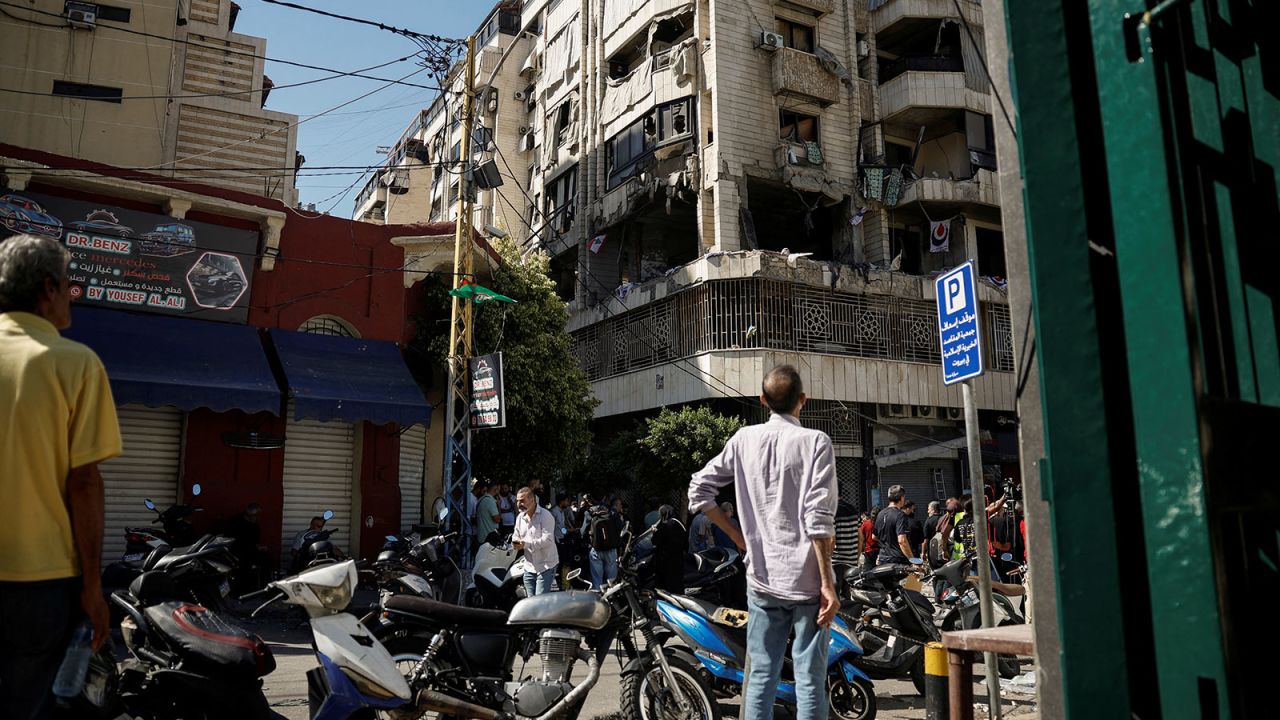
{"x": 920, "y": 63}
{"x": 759, "y": 313}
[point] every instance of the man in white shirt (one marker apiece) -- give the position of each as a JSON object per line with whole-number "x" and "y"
{"x": 535, "y": 534}
{"x": 785, "y": 482}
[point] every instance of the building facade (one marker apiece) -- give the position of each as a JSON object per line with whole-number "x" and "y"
{"x": 724, "y": 186}
{"x": 167, "y": 86}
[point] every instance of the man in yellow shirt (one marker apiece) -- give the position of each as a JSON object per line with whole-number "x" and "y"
{"x": 57, "y": 422}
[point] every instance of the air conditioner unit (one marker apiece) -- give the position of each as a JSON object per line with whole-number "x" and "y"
{"x": 956, "y": 414}
{"x": 864, "y": 49}
{"x": 81, "y": 14}
{"x": 771, "y": 41}
{"x": 924, "y": 411}
{"x": 895, "y": 410}
{"x": 518, "y": 95}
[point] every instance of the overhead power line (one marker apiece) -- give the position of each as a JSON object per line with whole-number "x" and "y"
{"x": 207, "y": 46}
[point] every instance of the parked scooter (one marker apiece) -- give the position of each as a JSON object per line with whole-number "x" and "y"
{"x": 964, "y": 611}
{"x": 891, "y": 621}
{"x": 175, "y": 529}
{"x": 497, "y": 577}
{"x": 419, "y": 567}
{"x": 718, "y": 637}
{"x": 316, "y": 548}
{"x": 185, "y": 661}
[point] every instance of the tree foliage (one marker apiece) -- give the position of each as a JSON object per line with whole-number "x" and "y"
{"x": 660, "y": 453}
{"x": 549, "y": 400}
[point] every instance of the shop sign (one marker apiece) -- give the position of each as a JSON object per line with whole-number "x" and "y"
{"x": 488, "y": 404}
{"x": 132, "y": 260}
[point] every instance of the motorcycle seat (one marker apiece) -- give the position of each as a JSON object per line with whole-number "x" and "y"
{"x": 693, "y": 605}
{"x": 441, "y": 612}
{"x": 203, "y": 638}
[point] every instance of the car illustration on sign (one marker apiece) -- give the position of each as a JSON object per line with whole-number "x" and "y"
{"x": 102, "y": 222}
{"x": 217, "y": 281}
{"x": 22, "y": 215}
{"x": 168, "y": 240}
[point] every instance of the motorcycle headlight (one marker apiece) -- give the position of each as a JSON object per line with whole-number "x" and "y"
{"x": 367, "y": 686}
{"x": 333, "y": 598}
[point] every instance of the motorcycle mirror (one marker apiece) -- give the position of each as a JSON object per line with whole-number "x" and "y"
{"x": 391, "y": 538}
{"x": 574, "y": 574}
{"x": 195, "y": 490}
{"x": 327, "y": 515}
{"x": 916, "y": 561}
{"x": 1007, "y": 557}
{"x": 150, "y": 505}
{"x": 442, "y": 514}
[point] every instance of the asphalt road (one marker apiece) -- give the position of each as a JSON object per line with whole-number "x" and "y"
{"x": 286, "y": 688}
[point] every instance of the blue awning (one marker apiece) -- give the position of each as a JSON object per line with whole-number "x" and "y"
{"x": 351, "y": 379}
{"x": 160, "y": 360}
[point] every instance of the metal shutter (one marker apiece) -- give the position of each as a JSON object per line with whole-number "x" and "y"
{"x": 413, "y": 458}
{"x": 920, "y": 478}
{"x": 849, "y": 480}
{"x": 148, "y": 468}
{"x": 318, "y": 462}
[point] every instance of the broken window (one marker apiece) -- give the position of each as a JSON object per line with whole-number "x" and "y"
{"x": 896, "y": 154}
{"x": 907, "y": 243}
{"x": 675, "y": 120}
{"x": 796, "y": 36}
{"x": 668, "y": 123}
{"x": 990, "y": 252}
{"x": 797, "y": 127}
{"x": 564, "y": 272}
{"x": 559, "y": 199}
{"x": 563, "y": 117}
{"x": 981, "y": 138}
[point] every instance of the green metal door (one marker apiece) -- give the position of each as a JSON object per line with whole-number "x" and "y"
{"x": 1173, "y": 137}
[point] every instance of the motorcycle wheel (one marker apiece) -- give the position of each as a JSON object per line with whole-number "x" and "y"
{"x": 851, "y": 700}
{"x": 917, "y": 675}
{"x": 644, "y": 695}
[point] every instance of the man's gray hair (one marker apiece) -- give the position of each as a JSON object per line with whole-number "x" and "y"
{"x": 896, "y": 493}
{"x": 934, "y": 506}
{"x": 25, "y": 262}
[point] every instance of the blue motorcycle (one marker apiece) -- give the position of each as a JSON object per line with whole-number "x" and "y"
{"x": 718, "y": 638}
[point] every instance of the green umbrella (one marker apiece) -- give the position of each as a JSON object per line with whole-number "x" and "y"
{"x": 477, "y": 293}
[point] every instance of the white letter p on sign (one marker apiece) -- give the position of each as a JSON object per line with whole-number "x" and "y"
{"x": 954, "y": 294}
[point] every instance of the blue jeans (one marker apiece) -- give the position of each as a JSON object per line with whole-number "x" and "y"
{"x": 604, "y": 567}
{"x": 539, "y": 583}
{"x": 769, "y": 622}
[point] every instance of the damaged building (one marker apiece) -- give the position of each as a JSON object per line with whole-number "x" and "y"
{"x": 727, "y": 185}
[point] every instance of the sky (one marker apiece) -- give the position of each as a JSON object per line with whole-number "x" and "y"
{"x": 350, "y": 135}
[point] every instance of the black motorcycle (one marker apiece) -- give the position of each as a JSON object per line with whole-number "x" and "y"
{"x": 185, "y": 661}
{"x": 963, "y": 609}
{"x": 409, "y": 565}
{"x": 175, "y": 530}
{"x": 470, "y": 653}
{"x": 892, "y": 622}
{"x": 316, "y": 549}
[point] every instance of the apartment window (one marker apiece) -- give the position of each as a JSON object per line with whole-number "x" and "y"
{"x": 455, "y": 154}
{"x": 896, "y": 154}
{"x": 797, "y": 36}
{"x": 85, "y": 91}
{"x": 113, "y": 13}
{"x": 980, "y": 137}
{"x": 797, "y": 127}
{"x": 560, "y": 195}
{"x": 562, "y": 117}
{"x": 675, "y": 120}
{"x": 453, "y": 193}
{"x": 624, "y": 151}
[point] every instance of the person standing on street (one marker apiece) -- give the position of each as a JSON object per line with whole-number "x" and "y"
{"x": 870, "y": 547}
{"x": 246, "y": 535}
{"x": 700, "y": 533}
{"x": 604, "y": 529}
{"x": 785, "y": 482}
{"x": 915, "y": 528}
{"x": 506, "y": 508}
{"x": 57, "y": 422}
{"x": 893, "y": 530}
{"x": 535, "y": 533}
{"x": 931, "y": 526}
{"x": 488, "y": 520}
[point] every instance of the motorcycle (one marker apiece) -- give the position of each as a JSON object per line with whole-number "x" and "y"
{"x": 185, "y": 661}
{"x": 316, "y": 548}
{"x": 891, "y": 621}
{"x": 963, "y": 608}
{"x": 718, "y": 638}
{"x": 419, "y": 567}
{"x": 470, "y": 653}
{"x": 497, "y": 577}
{"x": 139, "y": 542}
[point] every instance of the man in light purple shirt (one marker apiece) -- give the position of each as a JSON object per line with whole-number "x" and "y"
{"x": 785, "y": 480}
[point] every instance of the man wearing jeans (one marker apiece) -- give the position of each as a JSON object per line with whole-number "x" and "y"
{"x": 536, "y": 534}
{"x": 785, "y": 480}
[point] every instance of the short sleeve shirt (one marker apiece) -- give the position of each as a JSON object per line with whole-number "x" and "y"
{"x": 56, "y": 414}
{"x": 891, "y": 523}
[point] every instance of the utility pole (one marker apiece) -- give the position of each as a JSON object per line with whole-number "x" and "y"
{"x": 457, "y": 483}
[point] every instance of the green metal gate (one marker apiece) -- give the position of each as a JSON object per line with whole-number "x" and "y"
{"x": 1150, "y": 141}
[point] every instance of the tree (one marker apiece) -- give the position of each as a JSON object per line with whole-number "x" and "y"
{"x": 549, "y": 400}
{"x": 678, "y": 443}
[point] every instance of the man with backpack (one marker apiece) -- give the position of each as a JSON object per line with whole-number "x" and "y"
{"x": 604, "y": 531}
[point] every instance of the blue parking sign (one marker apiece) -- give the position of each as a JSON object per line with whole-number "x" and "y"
{"x": 958, "y": 328}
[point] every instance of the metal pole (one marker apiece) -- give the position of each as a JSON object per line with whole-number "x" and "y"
{"x": 458, "y": 416}
{"x": 983, "y": 559}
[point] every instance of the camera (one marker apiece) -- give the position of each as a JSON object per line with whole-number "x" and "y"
{"x": 1012, "y": 496}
